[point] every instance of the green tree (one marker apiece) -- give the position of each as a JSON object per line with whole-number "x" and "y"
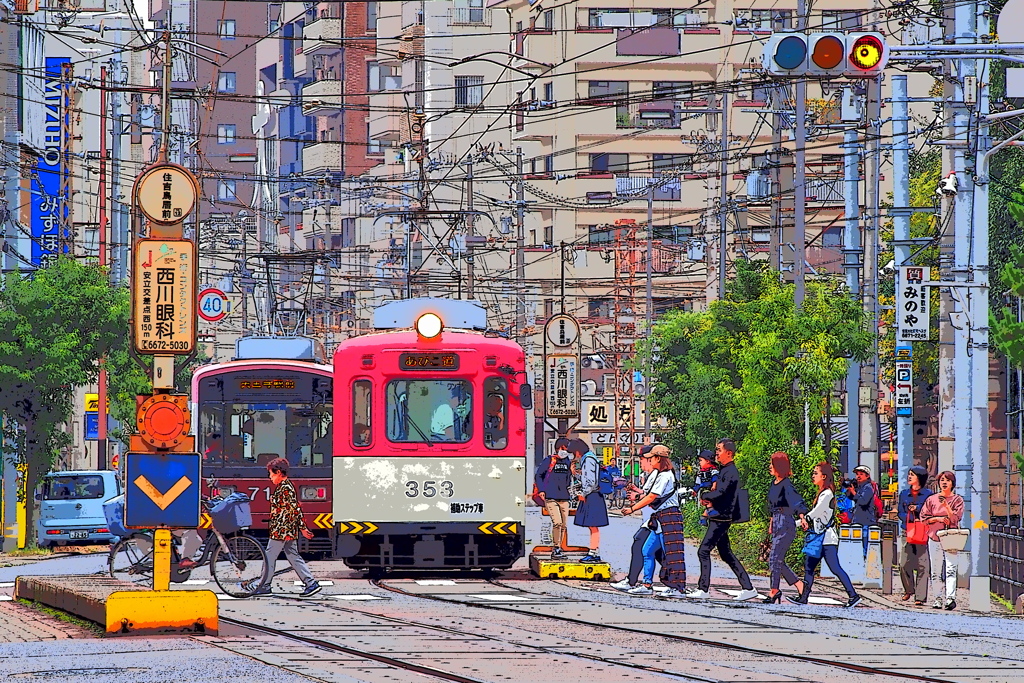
{"x": 55, "y": 323}
{"x": 746, "y": 367}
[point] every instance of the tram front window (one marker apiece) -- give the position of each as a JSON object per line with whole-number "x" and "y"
{"x": 429, "y": 411}
{"x": 254, "y": 434}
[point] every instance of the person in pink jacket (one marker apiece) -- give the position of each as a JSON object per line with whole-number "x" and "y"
{"x": 943, "y": 510}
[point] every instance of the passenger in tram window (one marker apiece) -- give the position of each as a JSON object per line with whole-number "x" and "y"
{"x": 361, "y": 434}
{"x": 592, "y": 511}
{"x": 214, "y": 448}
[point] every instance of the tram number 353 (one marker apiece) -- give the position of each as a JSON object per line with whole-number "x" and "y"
{"x": 429, "y": 488}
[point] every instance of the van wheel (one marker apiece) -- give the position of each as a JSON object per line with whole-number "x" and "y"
{"x": 62, "y": 543}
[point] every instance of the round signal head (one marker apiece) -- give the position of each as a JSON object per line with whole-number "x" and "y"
{"x": 163, "y": 420}
{"x": 790, "y": 52}
{"x": 828, "y": 52}
{"x": 867, "y": 52}
{"x": 429, "y": 325}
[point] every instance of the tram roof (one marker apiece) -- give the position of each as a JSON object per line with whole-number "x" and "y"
{"x": 457, "y": 313}
{"x": 449, "y": 340}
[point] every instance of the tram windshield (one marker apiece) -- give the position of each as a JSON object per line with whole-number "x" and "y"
{"x": 429, "y": 411}
{"x": 256, "y": 433}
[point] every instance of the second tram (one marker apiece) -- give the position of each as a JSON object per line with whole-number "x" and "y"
{"x": 256, "y": 408}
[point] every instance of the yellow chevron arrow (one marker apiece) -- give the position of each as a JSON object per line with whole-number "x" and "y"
{"x": 486, "y": 528}
{"x": 162, "y": 500}
{"x": 205, "y": 521}
{"x": 342, "y": 527}
{"x": 370, "y": 527}
{"x": 513, "y": 528}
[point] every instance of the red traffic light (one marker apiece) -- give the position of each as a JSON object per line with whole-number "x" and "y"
{"x": 867, "y": 52}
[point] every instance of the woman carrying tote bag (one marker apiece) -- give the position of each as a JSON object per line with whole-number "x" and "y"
{"x": 821, "y": 539}
{"x": 943, "y": 512}
{"x": 914, "y": 559}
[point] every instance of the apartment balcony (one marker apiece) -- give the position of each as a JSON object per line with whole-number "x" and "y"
{"x": 386, "y": 116}
{"x": 322, "y": 98}
{"x": 322, "y": 37}
{"x": 322, "y": 157}
{"x": 469, "y": 16}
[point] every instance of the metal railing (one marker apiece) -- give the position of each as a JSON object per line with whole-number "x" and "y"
{"x": 477, "y": 16}
{"x": 1006, "y": 560}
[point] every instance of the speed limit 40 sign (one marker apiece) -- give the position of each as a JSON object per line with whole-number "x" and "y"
{"x": 213, "y": 305}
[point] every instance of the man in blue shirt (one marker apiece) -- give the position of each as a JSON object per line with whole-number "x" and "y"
{"x": 862, "y": 493}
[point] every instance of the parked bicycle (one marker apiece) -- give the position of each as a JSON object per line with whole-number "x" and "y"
{"x": 236, "y": 561}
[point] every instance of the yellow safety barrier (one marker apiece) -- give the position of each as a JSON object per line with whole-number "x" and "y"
{"x": 162, "y": 611}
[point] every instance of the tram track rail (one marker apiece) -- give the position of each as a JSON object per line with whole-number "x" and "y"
{"x": 848, "y": 666}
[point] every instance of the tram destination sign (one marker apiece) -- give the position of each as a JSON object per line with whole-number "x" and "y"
{"x": 164, "y": 296}
{"x": 428, "y": 361}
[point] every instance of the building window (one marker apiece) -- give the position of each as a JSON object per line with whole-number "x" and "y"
{"x": 599, "y": 308}
{"x": 549, "y": 235}
{"x": 469, "y": 12}
{"x": 225, "y": 190}
{"x": 373, "y": 146}
{"x": 767, "y": 20}
{"x": 672, "y": 164}
{"x": 673, "y": 90}
{"x": 600, "y": 234}
{"x": 549, "y": 164}
{"x": 371, "y": 16}
{"x": 226, "y": 29}
{"x": 840, "y": 20}
{"x": 226, "y": 134}
{"x": 609, "y": 163}
{"x": 547, "y": 20}
{"x": 469, "y": 91}
{"x": 226, "y": 82}
{"x": 832, "y": 237}
{"x": 372, "y": 76}
{"x": 549, "y": 92}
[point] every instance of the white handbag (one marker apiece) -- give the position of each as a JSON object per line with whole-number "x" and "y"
{"x": 953, "y": 540}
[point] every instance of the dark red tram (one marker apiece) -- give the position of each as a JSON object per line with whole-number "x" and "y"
{"x": 430, "y": 441}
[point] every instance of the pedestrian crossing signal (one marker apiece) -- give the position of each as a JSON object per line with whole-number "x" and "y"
{"x": 825, "y": 54}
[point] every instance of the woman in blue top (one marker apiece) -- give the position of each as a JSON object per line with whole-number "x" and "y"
{"x": 592, "y": 511}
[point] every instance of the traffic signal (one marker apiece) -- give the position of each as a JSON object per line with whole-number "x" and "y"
{"x": 825, "y": 55}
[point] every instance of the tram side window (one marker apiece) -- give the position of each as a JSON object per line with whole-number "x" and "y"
{"x": 361, "y": 405}
{"x": 496, "y": 413}
{"x": 434, "y": 411}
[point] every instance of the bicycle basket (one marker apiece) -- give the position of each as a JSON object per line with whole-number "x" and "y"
{"x": 232, "y": 513}
{"x": 113, "y": 511}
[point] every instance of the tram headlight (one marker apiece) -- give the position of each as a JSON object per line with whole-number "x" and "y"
{"x": 313, "y": 493}
{"x": 429, "y": 325}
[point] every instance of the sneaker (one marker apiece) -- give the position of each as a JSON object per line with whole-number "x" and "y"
{"x": 591, "y": 558}
{"x": 557, "y": 554}
{"x": 746, "y": 595}
{"x": 951, "y": 605}
{"x": 854, "y": 601}
{"x": 623, "y": 585}
{"x": 641, "y": 589}
{"x": 671, "y": 593}
{"x": 250, "y": 587}
{"x": 937, "y": 604}
{"x": 698, "y": 594}
{"x": 311, "y": 590}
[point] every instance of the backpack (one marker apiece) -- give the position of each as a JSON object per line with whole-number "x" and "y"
{"x": 879, "y": 507}
{"x": 605, "y": 481}
{"x": 844, "y": 506}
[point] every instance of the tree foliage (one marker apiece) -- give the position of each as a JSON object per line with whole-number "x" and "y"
{"x": 54, "y": 325}
{"x": 746, "y": 367}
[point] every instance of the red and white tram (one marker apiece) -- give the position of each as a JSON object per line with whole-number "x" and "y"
{"x": 429, "y": 459}
{"x": 249, "y": 411}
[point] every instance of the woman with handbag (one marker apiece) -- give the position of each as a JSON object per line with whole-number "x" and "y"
{"x": 783, "y": 504}
{"x": 821, "y": 539}
{"x": 914, "y": 558}
{"x": 942, "y": 513}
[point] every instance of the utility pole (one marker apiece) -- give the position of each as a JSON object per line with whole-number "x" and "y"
{"x": 868, "y": 385}
{"x": 165, "y": 100}
{"x": 101, "y": 436}
{"x": 775, "y": 170}
{"x": 901, "y": 237}
{"x": 723, "y": 199}
{"x": 520, "y": 245}
{"x": 470, "y": 229}
{"x": 853, "y": 254}
{"x": 800, "y": 173}
{"x": 650, "y": 308}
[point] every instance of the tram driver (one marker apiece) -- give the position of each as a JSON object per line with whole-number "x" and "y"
{"x": 448, "y": 422}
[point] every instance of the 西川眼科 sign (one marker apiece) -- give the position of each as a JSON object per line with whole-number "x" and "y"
{"x": 164, "y": 296}
{"x": 562, "y": 386}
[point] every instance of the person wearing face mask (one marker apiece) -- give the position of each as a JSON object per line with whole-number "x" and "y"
{"x": 941, "y": 511}
{"x": 552, "y": 478}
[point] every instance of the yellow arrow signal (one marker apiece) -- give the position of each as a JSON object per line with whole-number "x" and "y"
{"x": 162, "y": 500}
{"x": 205, "y": 521}
{"x": 370, "y": 527}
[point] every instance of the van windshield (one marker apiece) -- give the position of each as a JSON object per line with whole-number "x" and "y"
{"x": 79, "y": 487}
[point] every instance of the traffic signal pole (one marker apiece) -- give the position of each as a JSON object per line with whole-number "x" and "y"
{"x": 800, "y": 175}
{"x": 853, "y": 259}
{"x": 901, "y": 243}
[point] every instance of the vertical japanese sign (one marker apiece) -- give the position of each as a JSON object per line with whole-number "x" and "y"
{"x": 904, "y": 395}
{"x": 562, "y": 384}
{"x": 49, "y": 209}
{"x": 164, "y": 296}
{"x": 913, "y": 320}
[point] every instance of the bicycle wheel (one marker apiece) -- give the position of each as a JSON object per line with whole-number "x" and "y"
{"x": 240, "y": 568}
{"x": 131, "y": 560}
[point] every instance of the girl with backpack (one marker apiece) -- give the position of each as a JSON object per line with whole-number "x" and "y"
{"x": 592, "y": 511}
{"x": 820, "y": 538}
